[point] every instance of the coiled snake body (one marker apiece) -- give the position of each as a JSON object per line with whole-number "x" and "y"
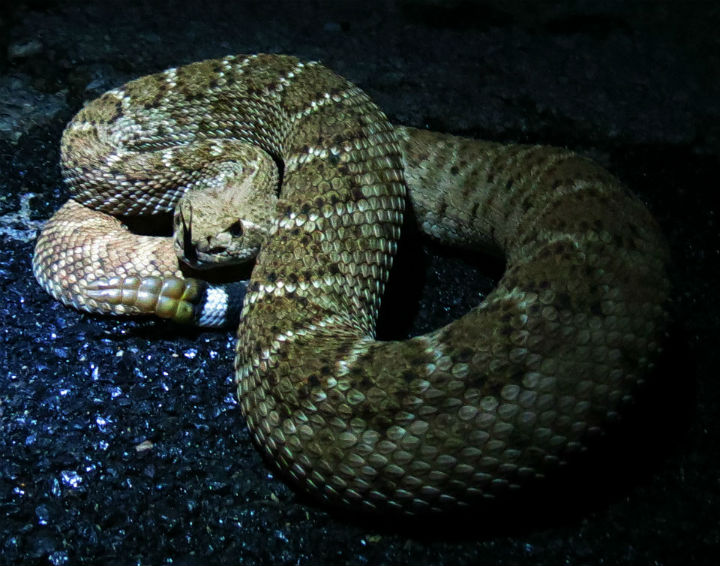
{"x": 486, "y": 403}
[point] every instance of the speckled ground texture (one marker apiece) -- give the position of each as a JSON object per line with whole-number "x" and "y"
{"x": 121, "y": 441}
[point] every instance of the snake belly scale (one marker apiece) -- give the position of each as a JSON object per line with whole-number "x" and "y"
{"x": 495, "y": 399}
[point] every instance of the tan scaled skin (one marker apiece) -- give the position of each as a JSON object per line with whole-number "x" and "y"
{"x": 500, "y": 396}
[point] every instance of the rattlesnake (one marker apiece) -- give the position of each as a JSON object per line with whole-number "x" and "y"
{"x": 487, "y": 403}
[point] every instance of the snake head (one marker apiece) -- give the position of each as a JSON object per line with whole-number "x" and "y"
{"x": 230, "y": 210}
{"x": 209, "y": 233}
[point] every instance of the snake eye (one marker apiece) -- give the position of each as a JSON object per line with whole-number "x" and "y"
{"x": 236, "y": 229}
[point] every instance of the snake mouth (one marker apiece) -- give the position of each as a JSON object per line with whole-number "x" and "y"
{"x": 212, "y": 260}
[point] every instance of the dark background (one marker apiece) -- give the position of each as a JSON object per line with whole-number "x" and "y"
{"x": 121, "y": 441}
